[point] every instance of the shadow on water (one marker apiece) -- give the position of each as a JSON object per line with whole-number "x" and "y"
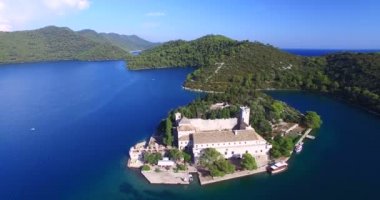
{"x": 133, "y": 193}
{"x": 130, "y": 191}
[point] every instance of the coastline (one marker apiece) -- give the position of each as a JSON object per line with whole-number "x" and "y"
{"x": 168, "y": 177}
{"x": 201, "y": 91}
{"x": 60, "y": 60}
{"x": 239, "y": 174}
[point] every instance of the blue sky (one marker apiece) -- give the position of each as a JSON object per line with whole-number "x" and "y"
{"x": 342, "y": 24}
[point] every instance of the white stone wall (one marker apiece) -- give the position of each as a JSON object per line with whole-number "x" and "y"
{"x": 235, "y": 149}
{"x": 214, "y": 124}
{"x": 183, "y": 144}
{"x": 184, "y": 133}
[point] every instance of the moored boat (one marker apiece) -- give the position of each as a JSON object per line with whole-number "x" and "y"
{"x": 278, "y": 167}
{"x": 298, "y": 148}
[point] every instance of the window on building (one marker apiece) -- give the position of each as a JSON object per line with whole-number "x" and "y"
{"x": 225, "y": 153}
{"x": 261, "y": 150}
{"x": 233, "y": 152}
{"x": 246, "y": 151}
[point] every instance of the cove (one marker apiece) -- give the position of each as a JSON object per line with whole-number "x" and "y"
{"x": 66, "y": 127}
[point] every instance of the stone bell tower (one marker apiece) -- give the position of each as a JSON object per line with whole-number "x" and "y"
{"x": 244, "y": 115}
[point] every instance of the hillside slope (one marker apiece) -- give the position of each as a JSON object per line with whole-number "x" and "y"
{"x": 355, "y": 77}
{"x": 129, "y": 42}
{"x": 53, "y": 43}
{"x": 222, "y": 63}
{"x": 125, "y": 42}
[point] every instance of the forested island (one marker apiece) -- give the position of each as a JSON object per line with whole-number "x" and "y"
{"x": 221, "y": 62}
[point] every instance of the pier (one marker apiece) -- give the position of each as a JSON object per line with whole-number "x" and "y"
{"x": 305, "y": 135}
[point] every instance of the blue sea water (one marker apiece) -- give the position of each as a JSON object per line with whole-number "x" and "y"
{"x": 66, "y": 127}
{"x": 323, "y": 52}
{"x": 64, "y": 124}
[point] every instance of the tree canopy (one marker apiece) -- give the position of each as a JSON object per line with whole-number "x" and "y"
{"x": 168, "y": 136}
{"x": 248, "y": 162}
{"x": 312, "y": 119}
{"x": 354, "y": 76}
{"x": 54, "y": 43}
{"x": 152, "y": 158}
{"x": 215, "y": 162}
{"x": 175, "y": 154}
{"x": 282, "y": 146}
{"x": 209, "y": 156}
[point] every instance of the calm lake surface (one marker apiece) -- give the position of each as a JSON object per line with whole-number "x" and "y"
{"x": 66, "y": 127}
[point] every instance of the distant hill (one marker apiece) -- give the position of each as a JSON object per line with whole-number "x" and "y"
{"x": 125, "y": 42}
{"x": 223, "y": 63}
{"x": 60, "y": 43}
{"x": 241, "y": 60}
{"x": 129, "y": 42}
{"x": 180, "y": 53}
{"x": 53, "y": 43}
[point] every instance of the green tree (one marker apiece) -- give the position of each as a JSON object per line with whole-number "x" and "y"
{"x": 209, "y": 156}
{"x": 221, "y": 167}
{"x": 278, "y": 109}
{"x": 225, "y": 166}
{"x": 275, "y": 152}
{"x": 181, "y": 167}
{"x": 186, "y": 157}
{"x": 168, "y": 137}
{"x": 248, "y": 162}
{"x": 312, "y": 120}
{"x": 175, "y": 154}
{"x": 215, "y": 172}
{"x": 145, "y": 168}
{"x": 152, "y": 158}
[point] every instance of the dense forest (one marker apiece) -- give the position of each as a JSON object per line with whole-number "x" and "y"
{"x": 56, "y": 43}
{"x": 201, "y": 52}
{"x": 222, "y": 62}
{"x": 125, "y": 42}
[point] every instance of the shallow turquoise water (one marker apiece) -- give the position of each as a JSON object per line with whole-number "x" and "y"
{"x": 86, "y": 115}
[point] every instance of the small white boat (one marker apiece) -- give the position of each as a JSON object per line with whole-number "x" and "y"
{"x": 278, "y": 167}
{"x": 298, "y": 148}
{"x": 191, "y": 178}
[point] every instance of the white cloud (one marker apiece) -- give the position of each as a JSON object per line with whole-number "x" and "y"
{"x": 67, "y": 4}
{"x": 155, "y": 14}
{"x": 16, "y": 13}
